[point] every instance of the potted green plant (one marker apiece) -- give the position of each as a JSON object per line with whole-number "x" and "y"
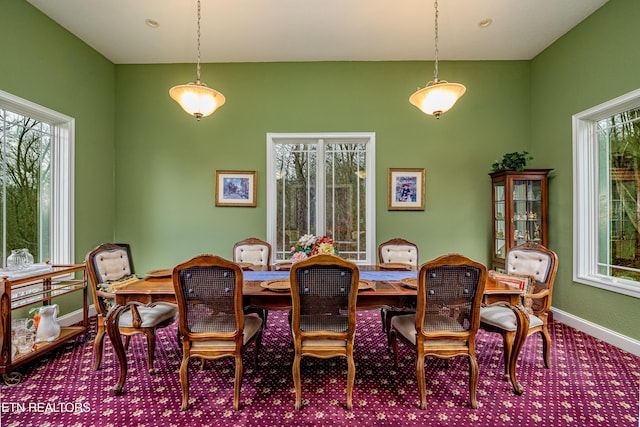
{"x": 515, "y": 160}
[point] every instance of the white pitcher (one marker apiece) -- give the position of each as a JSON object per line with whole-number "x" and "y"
{"x": 48, "y": 328}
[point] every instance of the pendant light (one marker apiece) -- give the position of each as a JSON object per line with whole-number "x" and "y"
{"x": 196, "y": 98}
{"x": 439, "y": 95}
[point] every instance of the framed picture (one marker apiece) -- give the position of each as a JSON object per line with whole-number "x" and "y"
{"x": 236, "y": 188}
{"x": 406, "y": 189}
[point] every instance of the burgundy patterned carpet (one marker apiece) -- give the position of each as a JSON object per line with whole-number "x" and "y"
{"x": 591, "y": 384}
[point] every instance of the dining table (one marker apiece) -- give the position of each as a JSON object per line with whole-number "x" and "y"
{"x": 389, "y": 288}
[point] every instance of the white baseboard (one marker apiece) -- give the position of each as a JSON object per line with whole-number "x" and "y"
{"x": 607, "y": 335}
{"x": 75, "y": 316}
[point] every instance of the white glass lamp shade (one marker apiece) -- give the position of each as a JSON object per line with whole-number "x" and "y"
{"x": 437, "y": 97}
{"x": 197, "y": 99}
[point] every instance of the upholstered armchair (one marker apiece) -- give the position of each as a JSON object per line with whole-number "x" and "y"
{"x": 398, "y": 251}
{"x": 541, "y": 264}
{"x": 257, "y": 252}
{"x": 109, "y": 265}
{"x": 253, "y": 251}
{"x": 395, "y": 251}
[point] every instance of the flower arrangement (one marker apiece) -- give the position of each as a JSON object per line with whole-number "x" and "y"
{"x": 309, "y": 245}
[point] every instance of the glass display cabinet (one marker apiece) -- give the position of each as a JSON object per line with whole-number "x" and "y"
{"x": 519, "y": 210}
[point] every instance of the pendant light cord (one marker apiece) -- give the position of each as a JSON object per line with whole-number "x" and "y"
{"x": 435, "y": 70}
{"x": 198, "y": 44}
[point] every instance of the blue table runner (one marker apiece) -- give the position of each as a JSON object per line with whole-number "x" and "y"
{"x": 365, "y": 275}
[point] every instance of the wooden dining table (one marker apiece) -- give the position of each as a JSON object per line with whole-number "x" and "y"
{"x": 387, "y": 293}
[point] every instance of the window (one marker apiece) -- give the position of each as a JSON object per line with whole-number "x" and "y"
{"x": 322, "y": 184}
{"x": 606, "y": 157}
{"x": 36, "y": 180}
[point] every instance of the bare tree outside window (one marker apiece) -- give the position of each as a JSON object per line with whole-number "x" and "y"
{"x": 25, "y": 165}
{"x": 320, "y": 187}
{"x": 619, "y": 137}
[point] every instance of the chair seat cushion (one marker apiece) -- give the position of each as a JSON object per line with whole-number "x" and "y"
{"x": 503, "y": 318}
{"x": 405, "y": 325}
{"x": 252, "y": 325}
{"x": 151, "y": 316}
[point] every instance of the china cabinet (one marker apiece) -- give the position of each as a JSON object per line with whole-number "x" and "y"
{"x": 36, "y": 286}
{"x": 519, "y": 210}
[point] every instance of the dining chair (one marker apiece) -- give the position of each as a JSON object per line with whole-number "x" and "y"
{"x": 396, "y": 251}
{"x": 252, "y": 250}
{"x": 108, "y": 266}
{"x": 324, "y": 289}
{"x": 211, "y": 320}
{"x": 257, "y": 252}
{"x": 447, "y": 316}
{"x": 540, "y": 263}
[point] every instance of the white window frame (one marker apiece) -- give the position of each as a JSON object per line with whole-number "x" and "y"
{"x": 585, "y": 195}
{"x": 370, "y": 137}
{"x": 62, "y": 228}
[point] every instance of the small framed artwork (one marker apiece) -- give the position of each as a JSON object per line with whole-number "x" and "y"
{"x": 236, "y": 188}
{"x": 406, "y": 189}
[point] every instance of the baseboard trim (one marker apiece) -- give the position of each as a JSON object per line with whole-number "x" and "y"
{"x": 607, "y": 335}
{"x": 75, "y": 316}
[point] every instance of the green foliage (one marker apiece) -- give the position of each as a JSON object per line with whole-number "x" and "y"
{"x": 516, "y": 160}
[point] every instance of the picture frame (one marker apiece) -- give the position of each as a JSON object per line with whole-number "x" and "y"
{"x": 406, "y": 189}
{"x": 235, "y": 188}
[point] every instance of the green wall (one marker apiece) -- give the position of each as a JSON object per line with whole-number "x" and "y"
{"x": 45, "y": 64}
{"x": 595, "y": 62}
{"x": 166, "y": 160}
{"x": 131, "y": 137}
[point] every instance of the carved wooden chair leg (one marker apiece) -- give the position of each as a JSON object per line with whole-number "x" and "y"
{"x": 422, "y": 387}
{"x": 127, "y": 340}
{"x": 473, "y": 381}
{"x": 351, "y": 375}
{"x": 546, "y": 348}
{"x": 237, "y": 383}
{"x": 151, "y": 348}
{"x": 98, "y": 345}
{"x": 184, "y": 380}
{"x": 296, "y": 380}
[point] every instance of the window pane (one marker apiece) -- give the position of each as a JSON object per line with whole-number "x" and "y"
{"x": 619, "y": 174}
{"x": 25, "y": 159}
{"x": 295, "y": 194}
{"x": 346, "y": 198}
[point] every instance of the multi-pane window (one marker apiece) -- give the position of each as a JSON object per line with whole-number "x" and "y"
{"x": 36, "y": 181}
{"x": 321, "y": 184}
{"x": 607, "y": 212}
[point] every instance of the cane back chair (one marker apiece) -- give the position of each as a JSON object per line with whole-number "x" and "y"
{"x": 211, "y": 320}
{"x": 324, "y": 289}
{"x": 447, "y": 316}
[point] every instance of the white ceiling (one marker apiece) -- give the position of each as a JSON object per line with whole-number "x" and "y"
{"x": 316, "y": 30}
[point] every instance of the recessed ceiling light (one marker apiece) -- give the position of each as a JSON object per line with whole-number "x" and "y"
{"x": 485, "y": 23}
{"x": 152, "y": 23}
